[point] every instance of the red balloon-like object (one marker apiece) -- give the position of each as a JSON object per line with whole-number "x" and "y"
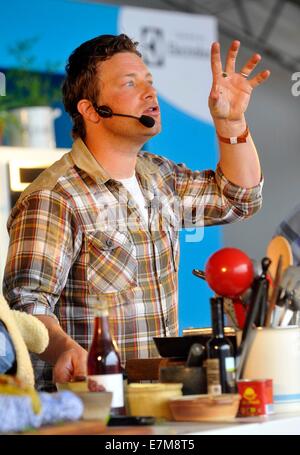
{"x": 229, "y": 272}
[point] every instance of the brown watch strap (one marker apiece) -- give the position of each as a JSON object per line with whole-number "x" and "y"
{"x": 234, "y": 139}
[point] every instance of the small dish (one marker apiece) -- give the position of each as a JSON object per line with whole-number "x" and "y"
{"x": 205, "y": 407}
{"x": 96, "y": 405}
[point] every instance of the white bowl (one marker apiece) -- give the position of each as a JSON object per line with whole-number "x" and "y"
{"x": 96, "y": 405}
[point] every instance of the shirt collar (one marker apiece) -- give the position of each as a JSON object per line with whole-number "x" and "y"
{"x": 86, "y": 161}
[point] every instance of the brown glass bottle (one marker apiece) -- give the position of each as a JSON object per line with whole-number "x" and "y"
{"x": 220, "y": 363}
{"x": 104, "y": 366}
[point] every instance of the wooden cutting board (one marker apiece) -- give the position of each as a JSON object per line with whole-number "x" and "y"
{"x": 90, "y": 427}
{"x": 279, "y": 246}
{"x": 80, "y": 427}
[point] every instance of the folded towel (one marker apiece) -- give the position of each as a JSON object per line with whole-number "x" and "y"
{"x": 24, "y": 328}
{"x": 16, "y": 413}
{"x": 60, "y": 406}
{"x": 7, "y": 350}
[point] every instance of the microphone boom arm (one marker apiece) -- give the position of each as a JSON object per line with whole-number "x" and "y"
{"x": 106, "y": 112}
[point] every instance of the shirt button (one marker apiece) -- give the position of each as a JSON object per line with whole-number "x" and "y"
{"x": 109, "y": 243}
{"x": 130, "y": 203}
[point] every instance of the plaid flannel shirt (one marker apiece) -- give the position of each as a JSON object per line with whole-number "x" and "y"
{"x": 77, "y": 234}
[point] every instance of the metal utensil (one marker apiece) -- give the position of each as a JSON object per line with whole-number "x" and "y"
{"x": 292, "y": 306}
{"x": 288, "y": 312}
{"x": 275, "y": 293}
{"x": 199, "y": 273}
{"x": 288, "y": 301}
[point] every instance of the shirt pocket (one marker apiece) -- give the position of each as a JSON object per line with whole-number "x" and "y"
{"x": 112, "y": 264}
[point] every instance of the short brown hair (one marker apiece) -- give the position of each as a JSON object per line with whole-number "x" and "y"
{"x": 80, "y": 82}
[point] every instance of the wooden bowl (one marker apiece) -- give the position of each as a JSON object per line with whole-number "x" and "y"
{"x": 205, "y": 407}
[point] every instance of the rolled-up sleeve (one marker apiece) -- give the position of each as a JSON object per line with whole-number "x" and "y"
{"x": 42, "y": 247}
{"x": 212, "y": 199}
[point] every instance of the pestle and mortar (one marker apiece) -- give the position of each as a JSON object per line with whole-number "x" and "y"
{"x": 192, "y": 374}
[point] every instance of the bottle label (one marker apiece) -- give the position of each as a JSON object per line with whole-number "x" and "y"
{"x": 213, "y": 376}
{"x": 230, "y": 370}
{"x": 108, "y": 383}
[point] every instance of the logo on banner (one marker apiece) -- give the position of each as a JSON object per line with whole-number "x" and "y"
{"x": 156, "y": 47}
{"x": 153, "y": 46}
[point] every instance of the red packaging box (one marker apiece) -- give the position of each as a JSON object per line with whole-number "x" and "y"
{"x": 256, "y": 397}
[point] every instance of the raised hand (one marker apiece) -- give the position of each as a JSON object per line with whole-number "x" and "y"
{"x": 231, "y": 91}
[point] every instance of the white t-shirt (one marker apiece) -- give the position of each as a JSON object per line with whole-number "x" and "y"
{"x": 132, "y": 186}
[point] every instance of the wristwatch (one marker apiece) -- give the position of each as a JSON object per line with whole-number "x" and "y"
{"x": 234, "y": 139}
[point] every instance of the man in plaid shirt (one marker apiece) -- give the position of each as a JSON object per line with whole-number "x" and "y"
{"x": 103, "y": 221}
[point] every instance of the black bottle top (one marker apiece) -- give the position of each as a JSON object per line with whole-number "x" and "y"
{"x": 217, "y": 315}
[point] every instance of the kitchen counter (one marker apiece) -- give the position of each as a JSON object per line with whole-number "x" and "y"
{"x": 279, "y": 424}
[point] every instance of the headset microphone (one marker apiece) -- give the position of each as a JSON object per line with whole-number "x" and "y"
{"x": 106, "y": 112}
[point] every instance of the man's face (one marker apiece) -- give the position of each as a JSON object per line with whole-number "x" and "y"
{"x": 126, "y": 86}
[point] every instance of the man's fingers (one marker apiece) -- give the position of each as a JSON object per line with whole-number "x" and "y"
{"x": 214, "y": 93}
{"x": 231, "y": 57}
{"x": 79, "y": 370}
{"x": 251, "y": 64}
{"x": 62, "y": 373}
{"x": 79, "y": 364}
{"x": 71, "y": 363}
{"x": 216, "y": 64}
{"x": 259, "y": 78}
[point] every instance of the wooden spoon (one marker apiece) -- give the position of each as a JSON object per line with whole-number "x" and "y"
{"x": 279, "y": 246}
